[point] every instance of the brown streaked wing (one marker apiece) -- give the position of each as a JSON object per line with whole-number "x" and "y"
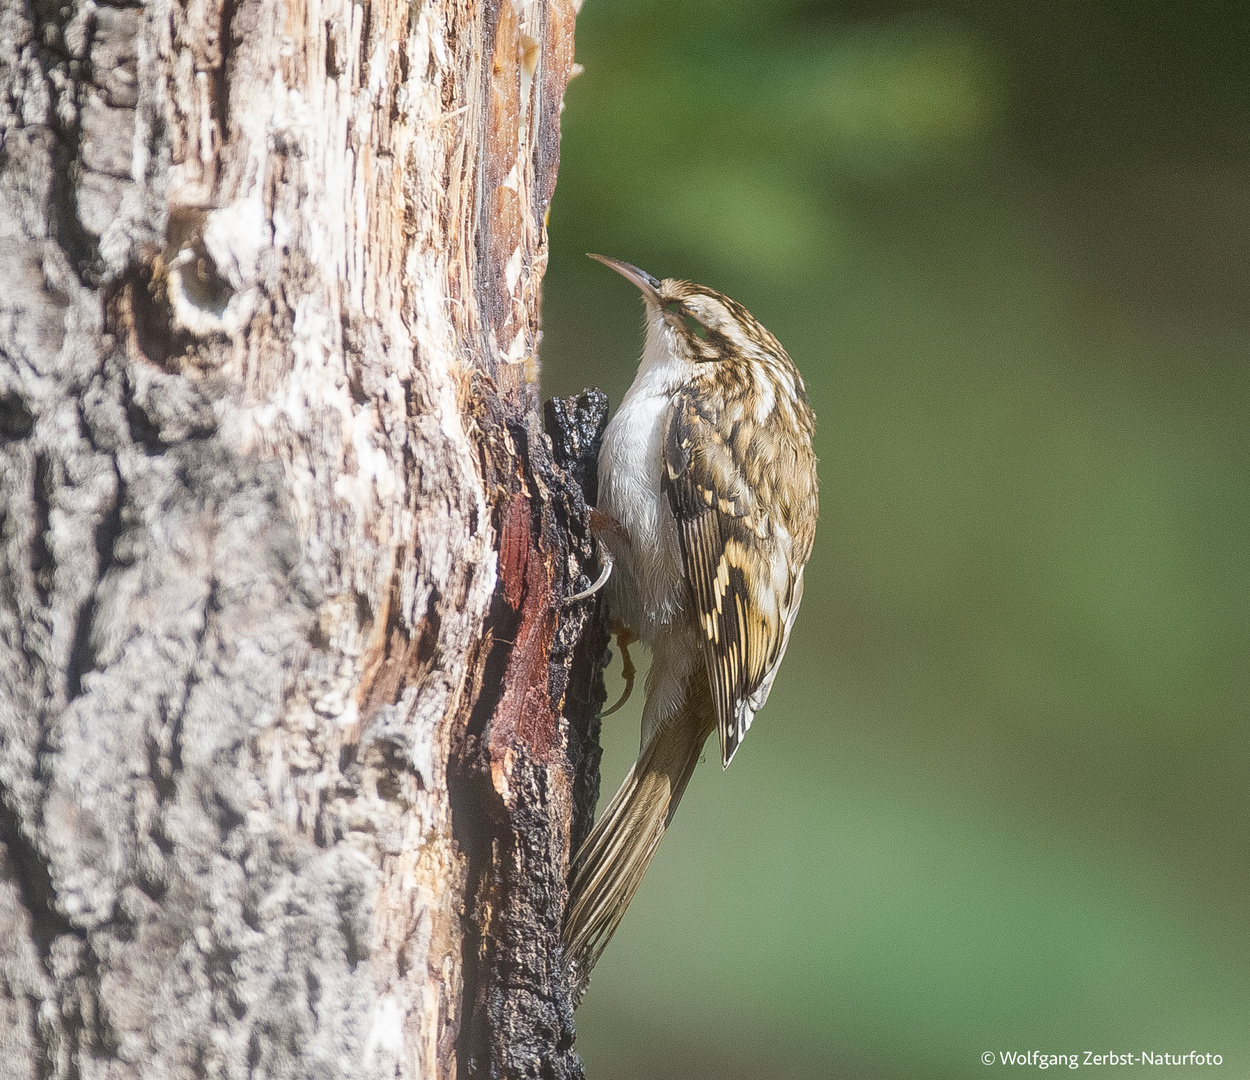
{"x": 719, "y": 524}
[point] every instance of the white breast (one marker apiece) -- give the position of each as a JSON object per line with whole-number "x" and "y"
{"x": 646, "y": 590}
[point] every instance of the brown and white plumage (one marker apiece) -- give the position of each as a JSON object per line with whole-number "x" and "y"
{"x": 708, "y": 467}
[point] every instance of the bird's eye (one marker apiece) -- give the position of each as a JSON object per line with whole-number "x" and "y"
{"x": 694, "y": 326}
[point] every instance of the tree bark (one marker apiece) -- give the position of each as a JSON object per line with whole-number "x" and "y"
{"x": 295, "y": 731}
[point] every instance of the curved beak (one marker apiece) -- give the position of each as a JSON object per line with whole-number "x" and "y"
{"x": 650, "y": 286}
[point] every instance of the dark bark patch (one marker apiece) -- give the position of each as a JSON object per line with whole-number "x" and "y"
{"x": 42, "y": 564}
{"x": 221, "y": 75}
{"x": 142, "y": 430}
{"x": 82, "y": 652}
{"x": 525, "y": 772}
{"x": 139, "y": 313}
{"x": 34, "y": 882}
{"x": 16, "y": 420}
{"x": 427, "y": 642}
{"x": 65, "y": 75}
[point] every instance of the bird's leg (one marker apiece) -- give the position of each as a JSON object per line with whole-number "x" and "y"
{"x": 602, "y": 522}
{"x": 599, "y": 524}
{"x": 624, "y": 639}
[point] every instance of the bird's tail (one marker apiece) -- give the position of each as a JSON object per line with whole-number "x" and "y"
{"x": 610, "y": 864}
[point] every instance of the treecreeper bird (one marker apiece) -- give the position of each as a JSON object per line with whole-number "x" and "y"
{"x": 708, "y": 479}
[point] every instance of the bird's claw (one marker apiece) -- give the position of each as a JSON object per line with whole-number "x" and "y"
{"x": 624, "y": 639}
{"x": 605, "y": 561}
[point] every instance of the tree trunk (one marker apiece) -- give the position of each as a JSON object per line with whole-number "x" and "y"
{"x": 295, "y": 732}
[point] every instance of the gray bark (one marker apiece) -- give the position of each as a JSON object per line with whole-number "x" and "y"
{"x": 294, "y": 731}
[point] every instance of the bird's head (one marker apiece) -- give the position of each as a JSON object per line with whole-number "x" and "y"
{"x": 698, "y": 324}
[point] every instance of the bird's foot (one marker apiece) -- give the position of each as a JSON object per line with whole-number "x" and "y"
{"x": 605, "y": 562}
{"x": 600, "y": 523}
{"x": 624, "y": 639}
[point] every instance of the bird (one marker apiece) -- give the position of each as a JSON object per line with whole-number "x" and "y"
{"x": 707, "y": 483}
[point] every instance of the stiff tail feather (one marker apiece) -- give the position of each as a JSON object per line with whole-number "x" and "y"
{"x": 611, "y": 863}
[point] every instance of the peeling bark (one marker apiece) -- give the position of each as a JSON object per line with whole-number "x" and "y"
{"x": 295, "y": 732}
{"x": 527, "y": 766}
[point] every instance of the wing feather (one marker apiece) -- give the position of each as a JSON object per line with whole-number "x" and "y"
{"x": 738, "y": 558}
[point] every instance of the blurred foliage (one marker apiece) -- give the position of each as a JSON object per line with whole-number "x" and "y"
{"x": 999, "y": 797}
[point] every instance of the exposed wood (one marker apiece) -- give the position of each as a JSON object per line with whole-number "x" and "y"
{"x": 274, "y": 493}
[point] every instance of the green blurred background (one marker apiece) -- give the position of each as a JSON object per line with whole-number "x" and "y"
{"x": 999, "y": 798}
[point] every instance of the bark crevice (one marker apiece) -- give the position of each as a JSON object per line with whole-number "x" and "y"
{"x": 35, "y": 885}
